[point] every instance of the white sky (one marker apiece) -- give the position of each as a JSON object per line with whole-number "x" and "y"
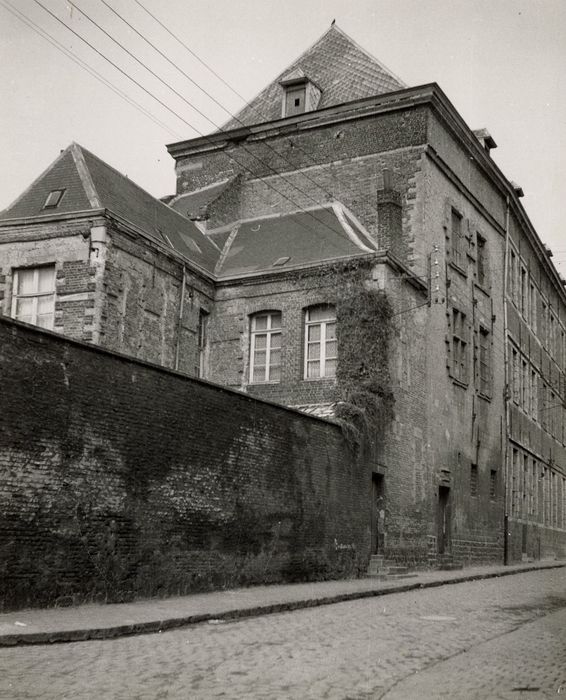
{"x": 501, "y": 62}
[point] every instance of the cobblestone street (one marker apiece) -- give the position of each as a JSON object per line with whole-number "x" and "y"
{"x": 496, "y": 638}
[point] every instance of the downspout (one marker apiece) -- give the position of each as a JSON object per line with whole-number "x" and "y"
{"x": 180, "y": 319}
{"x": 506, "y": 394}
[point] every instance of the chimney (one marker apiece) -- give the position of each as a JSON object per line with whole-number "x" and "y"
{"x": 517, "y": 188}
{"x": 389, "y": 214}
{"x": 485, "y": 138}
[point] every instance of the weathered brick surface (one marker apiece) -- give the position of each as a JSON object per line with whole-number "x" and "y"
{"x": 122, "y": 479}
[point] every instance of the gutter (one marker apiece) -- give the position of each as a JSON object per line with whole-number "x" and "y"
{"x": 506, "y": 389}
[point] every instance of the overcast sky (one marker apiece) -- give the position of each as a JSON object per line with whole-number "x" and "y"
{"x": 501, "y": 62}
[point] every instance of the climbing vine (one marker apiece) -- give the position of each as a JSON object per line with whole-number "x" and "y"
{"x": 363, "y": 313}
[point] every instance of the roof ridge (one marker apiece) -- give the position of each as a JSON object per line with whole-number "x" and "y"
{"x": 249, "y": 103}
{"x": 85, "y": 175}
{"x": 369, "y": 55}
{"x": 184, "y": 219}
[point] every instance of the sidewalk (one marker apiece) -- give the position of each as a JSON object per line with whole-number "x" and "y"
{"x": 41, "y": 626}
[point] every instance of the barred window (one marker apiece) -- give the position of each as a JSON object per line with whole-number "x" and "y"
{"x": 33, "y": 298}
{"x": 457, "y": 242}
{"x": 459, "y": 346}
{"x": 481, "y": 260}
{"x": 265, "y": 347}
{"x": 484, "y": 362}
{"x": 320, "y": 342}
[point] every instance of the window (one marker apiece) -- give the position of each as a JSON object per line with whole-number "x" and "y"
{"x": 202, "y": 341}
{"x": 524, "y": 298}
{"x": 512, "y": 290}
{"x": 493, "y": 484}
{"x": 53, "y": 199}
{"x": 265, "y": 362}
{"x": 456, "y": 234}
{"x": 33, "y": 299}
{"x": 533, "y": 306}
{"x": 484, "y": 362}
{"x": 295, "y": 100}
{"x": 474, "y": 480}
{"x": 534, "y": 395}
{"x": 459, "y": 346}
{"x": 481, "y": 261}
{"x": 320, "y": 342}
{"x": 525, "y": 385}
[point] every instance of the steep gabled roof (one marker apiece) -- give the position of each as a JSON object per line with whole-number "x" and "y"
{"x": 90, "y": 183}
{"x": 337, "y": 65}
{"x": 306, "y": 237}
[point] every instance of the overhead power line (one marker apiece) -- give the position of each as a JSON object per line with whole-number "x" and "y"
{"x": 172, "y": 111}
{"x": 82, "y": 64}
{"x": 247, "y": 103}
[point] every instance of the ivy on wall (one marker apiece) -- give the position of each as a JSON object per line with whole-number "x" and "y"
{"x": 364, "y": 324}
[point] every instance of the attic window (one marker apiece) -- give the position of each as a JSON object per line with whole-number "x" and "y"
{"x": 53, "y": 199}
{"x": 295, "y": 99}
{"x": 281, "y": 261}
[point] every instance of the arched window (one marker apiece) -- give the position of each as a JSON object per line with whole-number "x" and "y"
{"x": 320, "y": 342}
{"x": 265, "y": 347}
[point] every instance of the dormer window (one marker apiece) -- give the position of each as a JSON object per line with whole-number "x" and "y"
{"x": 299, "y": 94}
{"x": 295, "y": 99}
{"x": 53, "y": 199}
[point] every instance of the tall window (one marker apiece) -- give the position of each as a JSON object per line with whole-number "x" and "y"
{"x": 33, "y": 300}
{"x": 485, "y": 362}
{"x": 456, "y": 235}
{"x": 459, "y": 346}
{"x": 202, "y": 341}
{"x": 474, "y": 480}
{"x": 320, "y": 342}
{"x": 481, "y": 261}
{"x": 265, "y": 360}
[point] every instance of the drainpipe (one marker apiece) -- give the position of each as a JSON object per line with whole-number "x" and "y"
{"x": 180, "y": 319}
{"x": 507, "y": 495}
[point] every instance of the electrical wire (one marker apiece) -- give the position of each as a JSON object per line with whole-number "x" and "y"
{"x": 201, "y": 113}
{"x": 247, "y": 103}
{"x": 163, "y": 104}
{"x": 82, "y": 64}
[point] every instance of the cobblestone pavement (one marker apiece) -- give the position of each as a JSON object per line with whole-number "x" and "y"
{"x": 530, "y": 662}
{"x": 371, "y": 648}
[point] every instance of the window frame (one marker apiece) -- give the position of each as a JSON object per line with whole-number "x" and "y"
{"x": 485, "y": 370}
{"x": 482, "y": 276}
{"x": 322, "y": 342}
{"x": 459, "y": 346}
{"x": 35, "y": 296}
{"x": 270, "y": 331}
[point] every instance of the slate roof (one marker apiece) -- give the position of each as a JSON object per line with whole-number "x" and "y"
{"x": 90, "y": 183}
{"x": 275, "y": 243}
{"x": 194, "y": 204}
{"x": 337, "y": 65}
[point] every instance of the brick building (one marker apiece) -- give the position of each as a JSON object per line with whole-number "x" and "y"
{"x": 335, "y": 172}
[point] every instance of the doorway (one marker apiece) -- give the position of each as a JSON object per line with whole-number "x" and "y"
{"x": 443, "y": 540}
{"x": 377, "y": 514}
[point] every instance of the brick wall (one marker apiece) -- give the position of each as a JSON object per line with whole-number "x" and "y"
{"x": 122, "y": 479}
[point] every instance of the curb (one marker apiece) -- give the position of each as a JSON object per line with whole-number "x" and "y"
{"x": 155, "y": 626}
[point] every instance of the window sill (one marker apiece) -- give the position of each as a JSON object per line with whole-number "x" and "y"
{"x": 270, "y": 383}
{"x": 459, "y": 270}
{"x": 483, "y": 288}
{"x": 485, "y": 397}
{"x": 460, "y": 383}
{"x": 320, "y": 379}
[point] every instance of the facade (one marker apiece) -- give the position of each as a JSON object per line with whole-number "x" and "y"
{"x": 336, "y": 172}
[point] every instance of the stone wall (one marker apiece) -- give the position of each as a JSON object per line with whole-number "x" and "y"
{"x": 122, "y": 479}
